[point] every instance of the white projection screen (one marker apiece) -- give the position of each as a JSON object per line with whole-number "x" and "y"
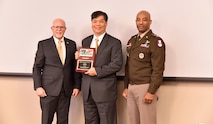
{"x": 185, "y": 25}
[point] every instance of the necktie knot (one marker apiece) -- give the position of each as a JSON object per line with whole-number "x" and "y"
{"x": 59, "y": 42}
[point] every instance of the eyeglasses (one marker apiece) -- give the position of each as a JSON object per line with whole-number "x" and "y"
{"x": 59, "y": 27}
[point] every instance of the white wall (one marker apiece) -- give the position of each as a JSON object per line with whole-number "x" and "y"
{"x": 185, "y": 26}
{"x": 179, "y": 103}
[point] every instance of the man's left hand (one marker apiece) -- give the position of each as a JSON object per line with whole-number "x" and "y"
{"x": 148, "y": 98}
{"x": 75, "y": 92}
{"x": 91, "y": 72}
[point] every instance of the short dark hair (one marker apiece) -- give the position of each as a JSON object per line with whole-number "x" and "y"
{"x": 99, "y": 13}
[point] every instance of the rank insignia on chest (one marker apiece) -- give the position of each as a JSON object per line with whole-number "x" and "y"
{"x": 146, "y": 44}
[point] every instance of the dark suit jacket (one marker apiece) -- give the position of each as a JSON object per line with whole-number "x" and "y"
{"x": 108, "y": 61}
{"x": 50, "y": 73}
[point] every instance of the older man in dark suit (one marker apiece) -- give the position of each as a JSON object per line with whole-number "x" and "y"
{"x": 99, "y": 84}
{"x": 55, "y": 79}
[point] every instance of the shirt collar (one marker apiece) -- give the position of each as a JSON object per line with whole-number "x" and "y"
{"x": 56, "y": 39}
{"x": 100, "y": 37}
{"x": 143, "y": 34}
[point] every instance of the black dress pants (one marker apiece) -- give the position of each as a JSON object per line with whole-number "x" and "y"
{"x": 55, "y": 104}
{"x": 100, "y": 112}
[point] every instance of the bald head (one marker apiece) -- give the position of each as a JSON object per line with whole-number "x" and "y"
{"x": 146, "y": 13}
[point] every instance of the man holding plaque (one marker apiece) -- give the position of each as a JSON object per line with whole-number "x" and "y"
{"x": 99, "y": 84}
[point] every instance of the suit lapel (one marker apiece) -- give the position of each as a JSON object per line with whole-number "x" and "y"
{"x": 67, "y": 49}
{"x": 87, "y": 44}
{"x": 53, "y": 47}
{"x": 103, "y": 44}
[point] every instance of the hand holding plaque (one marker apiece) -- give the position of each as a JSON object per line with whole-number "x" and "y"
{"x": 85, "y": 60}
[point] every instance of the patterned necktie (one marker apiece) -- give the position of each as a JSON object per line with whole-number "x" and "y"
{"x": 96, "y": 44}
{"x": 60, "y": 51}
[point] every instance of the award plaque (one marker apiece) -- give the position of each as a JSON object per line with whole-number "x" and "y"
{"x": 86, "y": 59}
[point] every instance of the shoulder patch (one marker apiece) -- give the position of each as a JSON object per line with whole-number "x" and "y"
{"x": 159, "y": 42}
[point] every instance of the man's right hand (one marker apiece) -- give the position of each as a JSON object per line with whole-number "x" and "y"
{"x": 76, "y": 55}
{"x": 125, "y": 93}
{"x": 40, "y": 92}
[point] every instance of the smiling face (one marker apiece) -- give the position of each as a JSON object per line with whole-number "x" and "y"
{"x": 99, "y": 25}
{"x": 143, "y": 21}
{"x": 58, "y": 28}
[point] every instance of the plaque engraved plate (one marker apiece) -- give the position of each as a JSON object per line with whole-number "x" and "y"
{"x": 85, "y": 60}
